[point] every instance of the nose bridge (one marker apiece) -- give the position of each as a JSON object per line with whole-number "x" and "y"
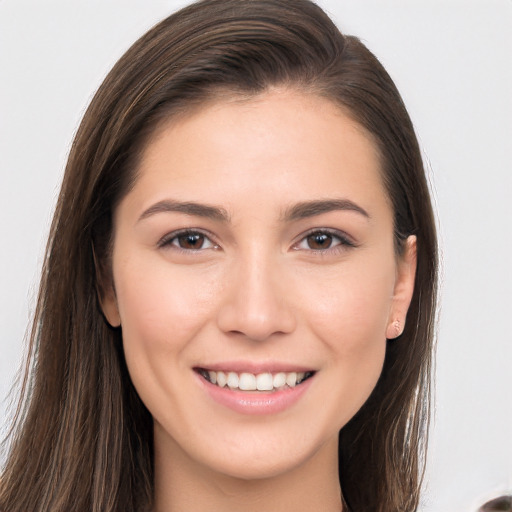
{"x": 257, "y": 302}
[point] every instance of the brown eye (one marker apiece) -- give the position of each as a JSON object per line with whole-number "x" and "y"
{"x": 324, "y": 241}
{"x": 190, "y": 241}
{"x": 319, "y": 241}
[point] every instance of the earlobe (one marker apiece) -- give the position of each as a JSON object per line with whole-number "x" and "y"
{"x": 106, "y": 294}
{"x": 108, "y": 303}
{"x": 404, "y": 289}
{"x": 395, "y": 329}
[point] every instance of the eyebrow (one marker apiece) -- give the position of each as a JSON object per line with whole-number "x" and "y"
{"x": 188, "y": 208}
{"x": 306, "y": 209}
{"x": 302, "y": 210}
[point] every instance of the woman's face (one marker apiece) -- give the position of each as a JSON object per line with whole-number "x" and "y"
{"x": 256, "y": 247}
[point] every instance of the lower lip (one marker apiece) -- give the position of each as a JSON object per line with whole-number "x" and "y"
{"x": 256, "y": 402}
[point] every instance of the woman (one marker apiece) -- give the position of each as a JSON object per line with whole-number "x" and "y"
{"x": 237, "y": 304}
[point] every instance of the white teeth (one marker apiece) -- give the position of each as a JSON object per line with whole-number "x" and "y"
{"x": 264, "y": 382}
{"x": 250, "y": 382}
{"x": 221, "y": 379}
{"x": 233, "y": 380}
{"x": 247, "y": 382}
{"x": 279, "y": 380}
{"x": 291, "y": 379}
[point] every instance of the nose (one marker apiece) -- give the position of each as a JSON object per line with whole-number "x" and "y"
{"x": 257, "y": 302}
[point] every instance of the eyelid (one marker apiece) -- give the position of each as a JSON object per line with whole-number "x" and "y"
{"x": 166, "y": 240}
{"x": 346, "y": 241}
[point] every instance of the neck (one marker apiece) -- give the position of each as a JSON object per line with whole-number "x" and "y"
{"x": 182, "y": 484}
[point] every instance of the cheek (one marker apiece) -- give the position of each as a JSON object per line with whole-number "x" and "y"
{"x": 162, "y": 306}
{"x": 350, "y": 319}
{"x": 350, "y": 316}
{"x": 162, "y": 309}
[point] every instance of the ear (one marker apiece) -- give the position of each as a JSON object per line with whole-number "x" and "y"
{"x": 106, "y": 294}
{"x": 404, "y": 289}
{"x": 108, "y": 303}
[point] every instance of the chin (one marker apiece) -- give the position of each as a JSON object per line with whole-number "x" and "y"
{"x": 251, "y": 468}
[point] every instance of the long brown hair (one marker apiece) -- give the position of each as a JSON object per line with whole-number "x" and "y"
{"x": 83, "y": 439}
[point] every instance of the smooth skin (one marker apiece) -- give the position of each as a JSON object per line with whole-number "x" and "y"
{"x": 288, "y": 259}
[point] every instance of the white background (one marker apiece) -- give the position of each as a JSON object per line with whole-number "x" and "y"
{"x": 452, "y": 62}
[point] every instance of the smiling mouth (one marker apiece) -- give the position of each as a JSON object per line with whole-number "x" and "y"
{"x": 254, "y": 382}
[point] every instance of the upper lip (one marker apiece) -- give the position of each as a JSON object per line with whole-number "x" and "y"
{"x": 254, "y": 367}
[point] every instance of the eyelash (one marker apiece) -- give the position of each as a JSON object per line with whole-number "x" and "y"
{"x": 344, "y": 242}
{"x": 167, "y": 240}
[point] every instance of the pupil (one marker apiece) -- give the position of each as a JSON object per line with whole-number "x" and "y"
{"x": 319, "y": 241}
{"x": 193, "y": 241}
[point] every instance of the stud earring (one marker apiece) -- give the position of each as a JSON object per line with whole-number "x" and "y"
{"x": 396, "y": 329}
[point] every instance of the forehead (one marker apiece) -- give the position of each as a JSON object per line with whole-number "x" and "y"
{"x": 282, "y": 144}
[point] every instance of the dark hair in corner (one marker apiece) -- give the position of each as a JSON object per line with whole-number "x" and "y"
{"x": 83, "y": 439}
